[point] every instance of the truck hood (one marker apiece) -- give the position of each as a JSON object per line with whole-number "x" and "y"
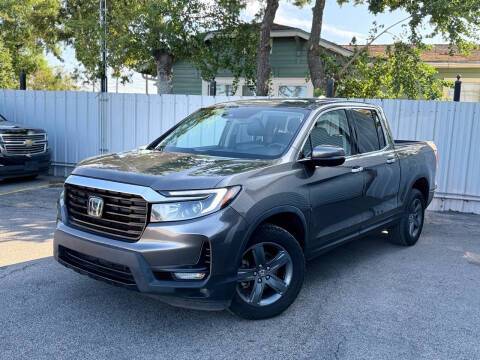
{"x": 166, "y": 170}
{"x": 8, "y": 127}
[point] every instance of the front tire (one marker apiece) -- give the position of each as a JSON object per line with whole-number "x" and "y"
{"x": 270, "y": 275}
{"x": 410, "y": 226}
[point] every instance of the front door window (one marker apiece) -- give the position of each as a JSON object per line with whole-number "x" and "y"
{"x": 330, "y": 128}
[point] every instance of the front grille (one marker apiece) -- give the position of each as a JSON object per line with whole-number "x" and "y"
{"x": 23, "y": 137}
{"x": 24, "y": 149}
{"x": 98, "y": 267}
{"x": 24, "y": 144}
{"x": 124, "y": 215}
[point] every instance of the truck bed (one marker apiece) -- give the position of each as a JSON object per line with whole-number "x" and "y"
{"x": 407, "y": 142}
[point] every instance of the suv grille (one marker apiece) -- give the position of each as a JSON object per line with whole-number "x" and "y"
{"x": 23, "y": 144}
{"x": 124, "y": 215}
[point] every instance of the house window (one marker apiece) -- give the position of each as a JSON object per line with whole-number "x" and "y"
{"x": 292, "y": 91}
{"x": 247, "y": 91}
{"x": 225, "y": 89}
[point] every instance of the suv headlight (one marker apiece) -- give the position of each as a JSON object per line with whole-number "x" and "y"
{"x": 192, "y": 204}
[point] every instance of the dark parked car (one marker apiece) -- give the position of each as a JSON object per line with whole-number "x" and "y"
{"x": 23, "y": 151}
{"x": 223, "y": 210}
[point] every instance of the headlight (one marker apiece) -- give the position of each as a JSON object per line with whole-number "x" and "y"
{"x": 191, "y": 204}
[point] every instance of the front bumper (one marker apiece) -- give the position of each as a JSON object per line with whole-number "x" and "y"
{"x": 23, "y": 165}
{"x": 163, "y": 248}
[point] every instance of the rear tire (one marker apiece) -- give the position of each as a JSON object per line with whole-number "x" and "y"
{"x": 410, "y": 226}
{"x": 272, "y": 270}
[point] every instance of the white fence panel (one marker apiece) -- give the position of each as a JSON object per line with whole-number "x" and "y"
{"x": 76, "y": 130}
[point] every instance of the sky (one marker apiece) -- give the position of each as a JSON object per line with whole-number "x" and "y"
{"x": 340, "y": 25}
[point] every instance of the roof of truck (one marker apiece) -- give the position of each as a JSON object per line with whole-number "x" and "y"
{"x": 303, "y": 103}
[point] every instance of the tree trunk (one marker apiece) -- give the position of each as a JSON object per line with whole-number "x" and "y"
{"x": 317, "y": 72}
{"x": 263, "y": 52}
{"x": 164, "y": 62}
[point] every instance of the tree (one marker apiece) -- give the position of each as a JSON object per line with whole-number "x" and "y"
{"x": 48, "y": 78}
{"x": 263, "y": 51}
{"x": 314, "y": 50}
{"x": 400, "y": 73}
{"x": 233, "y": 49}
{"x": 29, "y": 28}
{"x": 146, "y": 35}
{"x": 7, "y": 77}
{"x": 458, "y": 21}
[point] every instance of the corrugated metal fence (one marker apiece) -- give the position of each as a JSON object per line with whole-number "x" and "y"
{"x": 83, "y": 124}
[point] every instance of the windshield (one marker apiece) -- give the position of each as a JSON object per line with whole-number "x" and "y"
{"x": 236, "y": 131}
{"x": 2, "y": 118}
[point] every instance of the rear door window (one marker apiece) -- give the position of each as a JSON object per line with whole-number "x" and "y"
{"x": 367, "y": 130}
{"x": 378, "y": 124}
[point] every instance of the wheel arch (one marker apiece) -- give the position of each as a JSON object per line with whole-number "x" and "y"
{"x": 289, "y": 218}
{"x": 422, "y": 185}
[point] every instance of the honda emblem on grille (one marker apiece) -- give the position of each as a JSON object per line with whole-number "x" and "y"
{"x": 95, "y": 206}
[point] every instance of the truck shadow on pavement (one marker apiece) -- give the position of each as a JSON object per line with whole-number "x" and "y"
{"x": 325, "y": 270}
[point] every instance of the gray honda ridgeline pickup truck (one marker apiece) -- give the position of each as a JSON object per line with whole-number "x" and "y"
{"x": 224, "y": 208}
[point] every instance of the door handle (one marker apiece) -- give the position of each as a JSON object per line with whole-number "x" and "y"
{"x": 391, "y": 160}
{"x": 357, "y": 169}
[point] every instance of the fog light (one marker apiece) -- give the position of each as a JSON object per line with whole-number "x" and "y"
{"x": 189, "y": 276}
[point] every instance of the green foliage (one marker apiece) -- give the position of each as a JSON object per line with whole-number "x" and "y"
{"x": 139, "y": 30}
{"x": 29, "y": 28}
{"x": 399, "y": 74}
{"x": 7, "y": 79}
{"x": 48, "y": 78}
{"x": 233, "y": 49}
{"x": 458, "y": 21}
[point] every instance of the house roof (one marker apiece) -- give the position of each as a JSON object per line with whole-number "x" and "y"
{"x": 438, "y": 56}
{"x": 279, "y": 31}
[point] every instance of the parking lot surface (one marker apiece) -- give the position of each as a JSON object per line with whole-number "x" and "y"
{"x": 368, "y": 299}
{"x": 27, "y": 219}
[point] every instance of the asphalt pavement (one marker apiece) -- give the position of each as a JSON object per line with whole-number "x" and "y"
{"x": 368, "y": 299}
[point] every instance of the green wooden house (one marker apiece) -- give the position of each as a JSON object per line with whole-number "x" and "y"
{"x": 288, "y": 61}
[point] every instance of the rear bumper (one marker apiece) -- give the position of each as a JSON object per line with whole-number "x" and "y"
{"x": 163, "y": 249}
{"x": 22, "y": 165}
{"x": 431, "y": 193}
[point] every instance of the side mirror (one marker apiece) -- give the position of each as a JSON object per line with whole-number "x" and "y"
{"x": 326, "y": 155}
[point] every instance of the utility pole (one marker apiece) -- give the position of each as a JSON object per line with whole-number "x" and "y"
{"x": 23, "y": 80}
{"x": 103, "y": 26}
{"x": 103, "y": 130}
